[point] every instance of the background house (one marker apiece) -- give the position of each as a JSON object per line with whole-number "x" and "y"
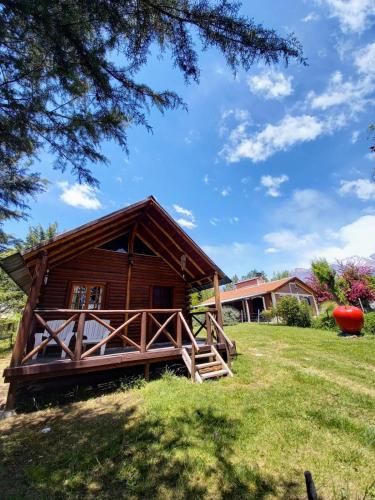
{"x": 254, "y": 295}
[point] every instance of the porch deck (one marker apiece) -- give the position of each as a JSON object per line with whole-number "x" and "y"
{"x": 131, "y": 353}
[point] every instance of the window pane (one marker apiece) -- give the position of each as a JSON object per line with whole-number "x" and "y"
{"x": 78, "y": 297}
{"x": 95, "y": 297}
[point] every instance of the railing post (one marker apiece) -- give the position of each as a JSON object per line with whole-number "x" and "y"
{"x": 27, "y": 316}
{"x": 179, "y": 331}
{"x": 192, "y": 363}
{"x": 143, "y": 331}
{"x": 79, "y": 337}
{"x": 209, "y": 329}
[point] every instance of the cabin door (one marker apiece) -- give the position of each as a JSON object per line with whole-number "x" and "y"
{"x": 162, "y": 298}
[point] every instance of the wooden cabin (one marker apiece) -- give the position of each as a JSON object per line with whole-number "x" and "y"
{"x": 254, "y": 295}
{"x": 113, "y": 293}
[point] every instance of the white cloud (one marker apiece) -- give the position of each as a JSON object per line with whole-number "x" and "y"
{"x": 355, "y": 136}
{"x": 188, "y": 219}
{"x": 271, "y": 84}
{"x": 214, "y": 221}
{"x": 188, "y": 224}
{"x": 350, "y": 93}
{"x": 206, "y": 179}
{"x": 273, "y": 184}
{"x": 271, "y": 250}
{"x": 307, "y": 208}
{"x": 183, "y": 211}
{"x": 354, "y": 239}
{"x": 79, "y": 195}
{"x": 289, "y": 131}
{"x": 191, "y": 137}
{"x": 353, "y": 15}
{"x": 226, "y": 191}
{"x": 233, "y": 257}
{"x": 312, "y": 16}
{"x": 236, "y": 114}
{"x": 137, "y": 178}
{"x": 364, "y": 59}
{"x": 364, "y": 189}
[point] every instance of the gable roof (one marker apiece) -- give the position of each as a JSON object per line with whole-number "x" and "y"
{"x": 253, "y": 291}
{"x": 155, "y": 227}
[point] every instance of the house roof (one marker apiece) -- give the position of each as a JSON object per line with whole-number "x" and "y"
{"x": 154, "y": 226}
{"x": 253, "y": 291}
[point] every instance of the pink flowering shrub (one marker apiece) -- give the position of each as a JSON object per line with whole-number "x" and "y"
{"x": 353, "y": 282}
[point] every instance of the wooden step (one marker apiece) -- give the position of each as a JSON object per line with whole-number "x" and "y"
{"x": 207, "y": 365}
{"x": 217, "y": 373}
{"x": 204, "y": 355}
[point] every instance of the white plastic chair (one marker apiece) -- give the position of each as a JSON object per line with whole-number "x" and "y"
{"x": 94, "y": 332}
{"x": 65, "y": 336}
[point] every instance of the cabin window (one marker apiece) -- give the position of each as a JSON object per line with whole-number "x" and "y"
{"x": 121, "y": 245}
{"x": 86, "y": 296}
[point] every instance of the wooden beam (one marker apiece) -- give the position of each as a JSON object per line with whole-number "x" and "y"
{"x": 217, "y": 300}
{"x": 24, "y": 329}
{"x": 173, "y": 240}
{"x": 132, "y": 236}
{"x": 157, "y": 252}
{"x": 106, "y": 221}
{"x": 171, "y": 254}
{"x": 81, "y": 246}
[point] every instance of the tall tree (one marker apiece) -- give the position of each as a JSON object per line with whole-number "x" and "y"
{"x": 230, "y": 286}
{"x": 279, "y": 275}
{"x": 253, "y": 274}
{"x": 68, "y": 74}
{"x": 12, "y": 298}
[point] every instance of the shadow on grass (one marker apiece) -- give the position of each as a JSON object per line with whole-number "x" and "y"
{"x": 61, "y": 391}
{"x": 123, "y": 453}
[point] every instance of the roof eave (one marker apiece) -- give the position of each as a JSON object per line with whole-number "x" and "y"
{"x": 17, "y": 270}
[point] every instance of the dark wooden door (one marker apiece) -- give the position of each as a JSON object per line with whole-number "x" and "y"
{"x": 162, "y": 298}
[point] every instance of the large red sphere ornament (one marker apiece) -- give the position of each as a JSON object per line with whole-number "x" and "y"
{"x": 349, "y": 319}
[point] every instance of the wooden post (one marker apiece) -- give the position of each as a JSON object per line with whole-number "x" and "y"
{"x": 192, "y": 363}
{"x": 179, "y": 331}
{"x": 129, "y": 277}
{"x": 10, "y": 404}
{"x": 247, "y": 310}
{"x": 143, "y": 331}
{"x": 147, "y": 371}
{"x": 79, "y": 337}
{"x": 209, "y": 329}
{"x": 218, "y": 303}
{"x": 24, "y": 329}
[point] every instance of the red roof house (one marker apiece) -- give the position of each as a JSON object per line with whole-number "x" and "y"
{"x": 254, "y": 295}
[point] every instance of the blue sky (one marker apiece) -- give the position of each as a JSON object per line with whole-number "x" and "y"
{"x": 266, "y": 170}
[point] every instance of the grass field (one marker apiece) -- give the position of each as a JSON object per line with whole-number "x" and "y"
{"x": 300, "y": 399}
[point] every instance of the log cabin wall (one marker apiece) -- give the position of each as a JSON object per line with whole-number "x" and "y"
{"x": 111, "y": 269}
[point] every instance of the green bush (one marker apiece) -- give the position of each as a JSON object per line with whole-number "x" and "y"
{"x": 294, "y": 313}
{"x": 369, "y": 328}
{"x": 269, "y": 314}
{"x": 324, "y": 322}
{"x": 231, "y": 316}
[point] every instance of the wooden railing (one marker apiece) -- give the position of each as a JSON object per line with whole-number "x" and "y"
{"x": 152, "y": 323}
{"x": 208, "y": 321}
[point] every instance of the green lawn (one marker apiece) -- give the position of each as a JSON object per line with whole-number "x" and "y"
{"x": 300, "y": 399}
